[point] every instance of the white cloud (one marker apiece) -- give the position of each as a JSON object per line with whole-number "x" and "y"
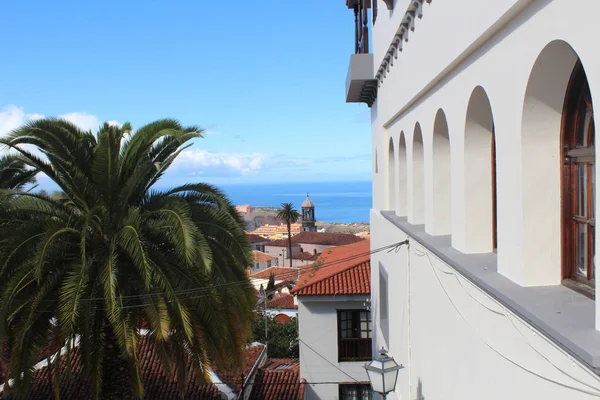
{"x": 226, "y": 163}
{"x": 12, "y": 117}
{"x": 85, "y": 121}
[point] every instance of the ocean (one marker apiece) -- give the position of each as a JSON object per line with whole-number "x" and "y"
{"x": 343, "y": 202}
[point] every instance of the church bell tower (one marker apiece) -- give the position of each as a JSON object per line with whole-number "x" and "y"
{"x": 308, "y": 216}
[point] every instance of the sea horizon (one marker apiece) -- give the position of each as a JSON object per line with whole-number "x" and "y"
{"x": 335, "y": 202}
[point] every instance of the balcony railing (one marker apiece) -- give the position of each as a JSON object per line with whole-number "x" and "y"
{"x": 354, "y": 349}
{"x": 361, "y": 25}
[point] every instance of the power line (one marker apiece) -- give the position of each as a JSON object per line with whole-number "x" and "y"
{"x": 329, "y": 362}
{"x": 292, "y": 272}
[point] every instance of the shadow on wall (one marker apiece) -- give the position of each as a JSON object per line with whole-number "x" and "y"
{"x": 420, "y": 395}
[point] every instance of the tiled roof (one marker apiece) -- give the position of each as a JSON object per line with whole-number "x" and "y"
{"x": 273, "y": 383}
{"x": 252, "y": 238}
{"x": 285, "y": 301}
{"x": 322, "y": 238}
{"x": 306, "y": 256}
{"x": 157, "y": 385}
{"x": 260, "y": 256}
{"x": 340, "y": 270}
{"x": 282, "y": 363}
{"x": 281, "y": 273}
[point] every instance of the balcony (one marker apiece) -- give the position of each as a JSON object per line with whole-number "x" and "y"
{"x": 361, "y": 85}
{"x": 354, "y": 349}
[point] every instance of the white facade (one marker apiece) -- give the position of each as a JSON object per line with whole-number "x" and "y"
{"x": 318, "y": 333}
{"x": 468, "y": 323}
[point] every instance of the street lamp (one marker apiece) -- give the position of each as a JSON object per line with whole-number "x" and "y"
{"x": 383, "y": 373}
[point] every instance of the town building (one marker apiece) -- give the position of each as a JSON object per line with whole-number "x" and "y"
{"x": 262, "y": 261}
{"x": 257, "y": 242}
{"x": 335, "y": 324}
{"x": 277, "y": 232}
{"x": 285, "y": 278}
{"x": 483, "y": 143}
{"x": 282, "y": 307}
{"x": 312, "y": 243}
{"x": 278, "y": 379}
{"x": 244, "y": 209}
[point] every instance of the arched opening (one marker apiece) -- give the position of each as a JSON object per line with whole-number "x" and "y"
{"x": 579, "y": 170}
{"x": 402, "y": 208}
{"x": 440, "y": 223}
{"x": 391, "y": 187}
{"x": 479, "y": 175}
{"x": 558, "y": 170}
{"x": 417, "y": 214}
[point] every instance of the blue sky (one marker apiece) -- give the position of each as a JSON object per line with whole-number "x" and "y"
{"x": 266, "y": 79}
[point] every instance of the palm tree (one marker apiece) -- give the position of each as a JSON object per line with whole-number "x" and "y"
{"x": 288, "y": 213}
{"x": 112, "y": 254}
{"x": 14, "y": 174}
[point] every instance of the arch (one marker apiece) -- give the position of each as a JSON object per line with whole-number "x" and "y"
{"x": 441, "y": 216}
{"x": 391, "y": 187}
{"x": 417, "y": 214}
{"x": 402, "y": 208}
{"x": 546, "y": 247}
{"x": 479, "y": 168}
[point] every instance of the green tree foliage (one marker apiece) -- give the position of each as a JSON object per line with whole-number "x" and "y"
{"x": 271, "y": 283}
{"x": 15, "y": 174}
{"x": 290, "y": 216}
{"x": 282, "y": 337}
{"x": 111, "y": 254}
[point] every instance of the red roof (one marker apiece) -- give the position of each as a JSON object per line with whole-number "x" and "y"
{"x": 306, "y": 256}
{"x": 281, "y": 273}
{"x": 278, "y": 381}
{"x": 252, "y": 238}
{"x": 286, "y": 302}
{"x": 341, "y": 270}
{"x": 157, "y": 385}
{"x": 259, "y": 256}
{"x": 322, "y": 238}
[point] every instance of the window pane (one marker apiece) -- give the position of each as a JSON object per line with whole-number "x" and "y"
{"x": 366, "y": 393}
{"x": 349, "y": 392}
{"x": 582, "y": 249}
{"x": 582, "y": 190}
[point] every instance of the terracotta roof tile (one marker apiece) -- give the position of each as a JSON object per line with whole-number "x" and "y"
{"x": 276, "y": 383}
{"x": 306, "y": 256}
{"x": 339, "y": 270}
{"x": 156, "y": 384}
{"x": 322, "y": 238}
{"x": 281, "y": 273}
{"x": 260, "y": 256}
{"x": 284, "y": 302}
{"x": 252, "y": 238}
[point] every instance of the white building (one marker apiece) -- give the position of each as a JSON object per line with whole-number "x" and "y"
{"x": 335, "y": 324}
{"x": 484, "y": 158}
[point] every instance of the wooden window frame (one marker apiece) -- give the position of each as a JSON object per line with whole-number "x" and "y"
{"x": 361, "y": 345}
{"x": 359, "y": 389}
{"x": 572, "y": 156}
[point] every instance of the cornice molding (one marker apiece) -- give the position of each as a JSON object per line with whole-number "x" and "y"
{"x": 414, "y": 11}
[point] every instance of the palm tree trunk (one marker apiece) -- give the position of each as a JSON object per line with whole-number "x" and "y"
{"x": 289, "y": 242}
{"x": 115, "y": 371}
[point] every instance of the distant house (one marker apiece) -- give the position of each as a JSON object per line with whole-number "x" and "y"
{"x": 308, "y": 242}
{"x": 262, "y": 261}
{"x": 283, "y": 307}
{"x": 257, "y": 242}
{"x": 335, "y": 323}
{"x": 285, "y": 278}
{"x": 276, "y": 232}
{"x": 244, "y": 209}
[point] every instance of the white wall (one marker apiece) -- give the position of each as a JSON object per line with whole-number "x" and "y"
{"x": 318, "y": 329}
{"x": 519, "y": 53}
{"x": 281, "y": 253}
{"x": 501, "y": 68}
{"x": 455, "y": 358}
